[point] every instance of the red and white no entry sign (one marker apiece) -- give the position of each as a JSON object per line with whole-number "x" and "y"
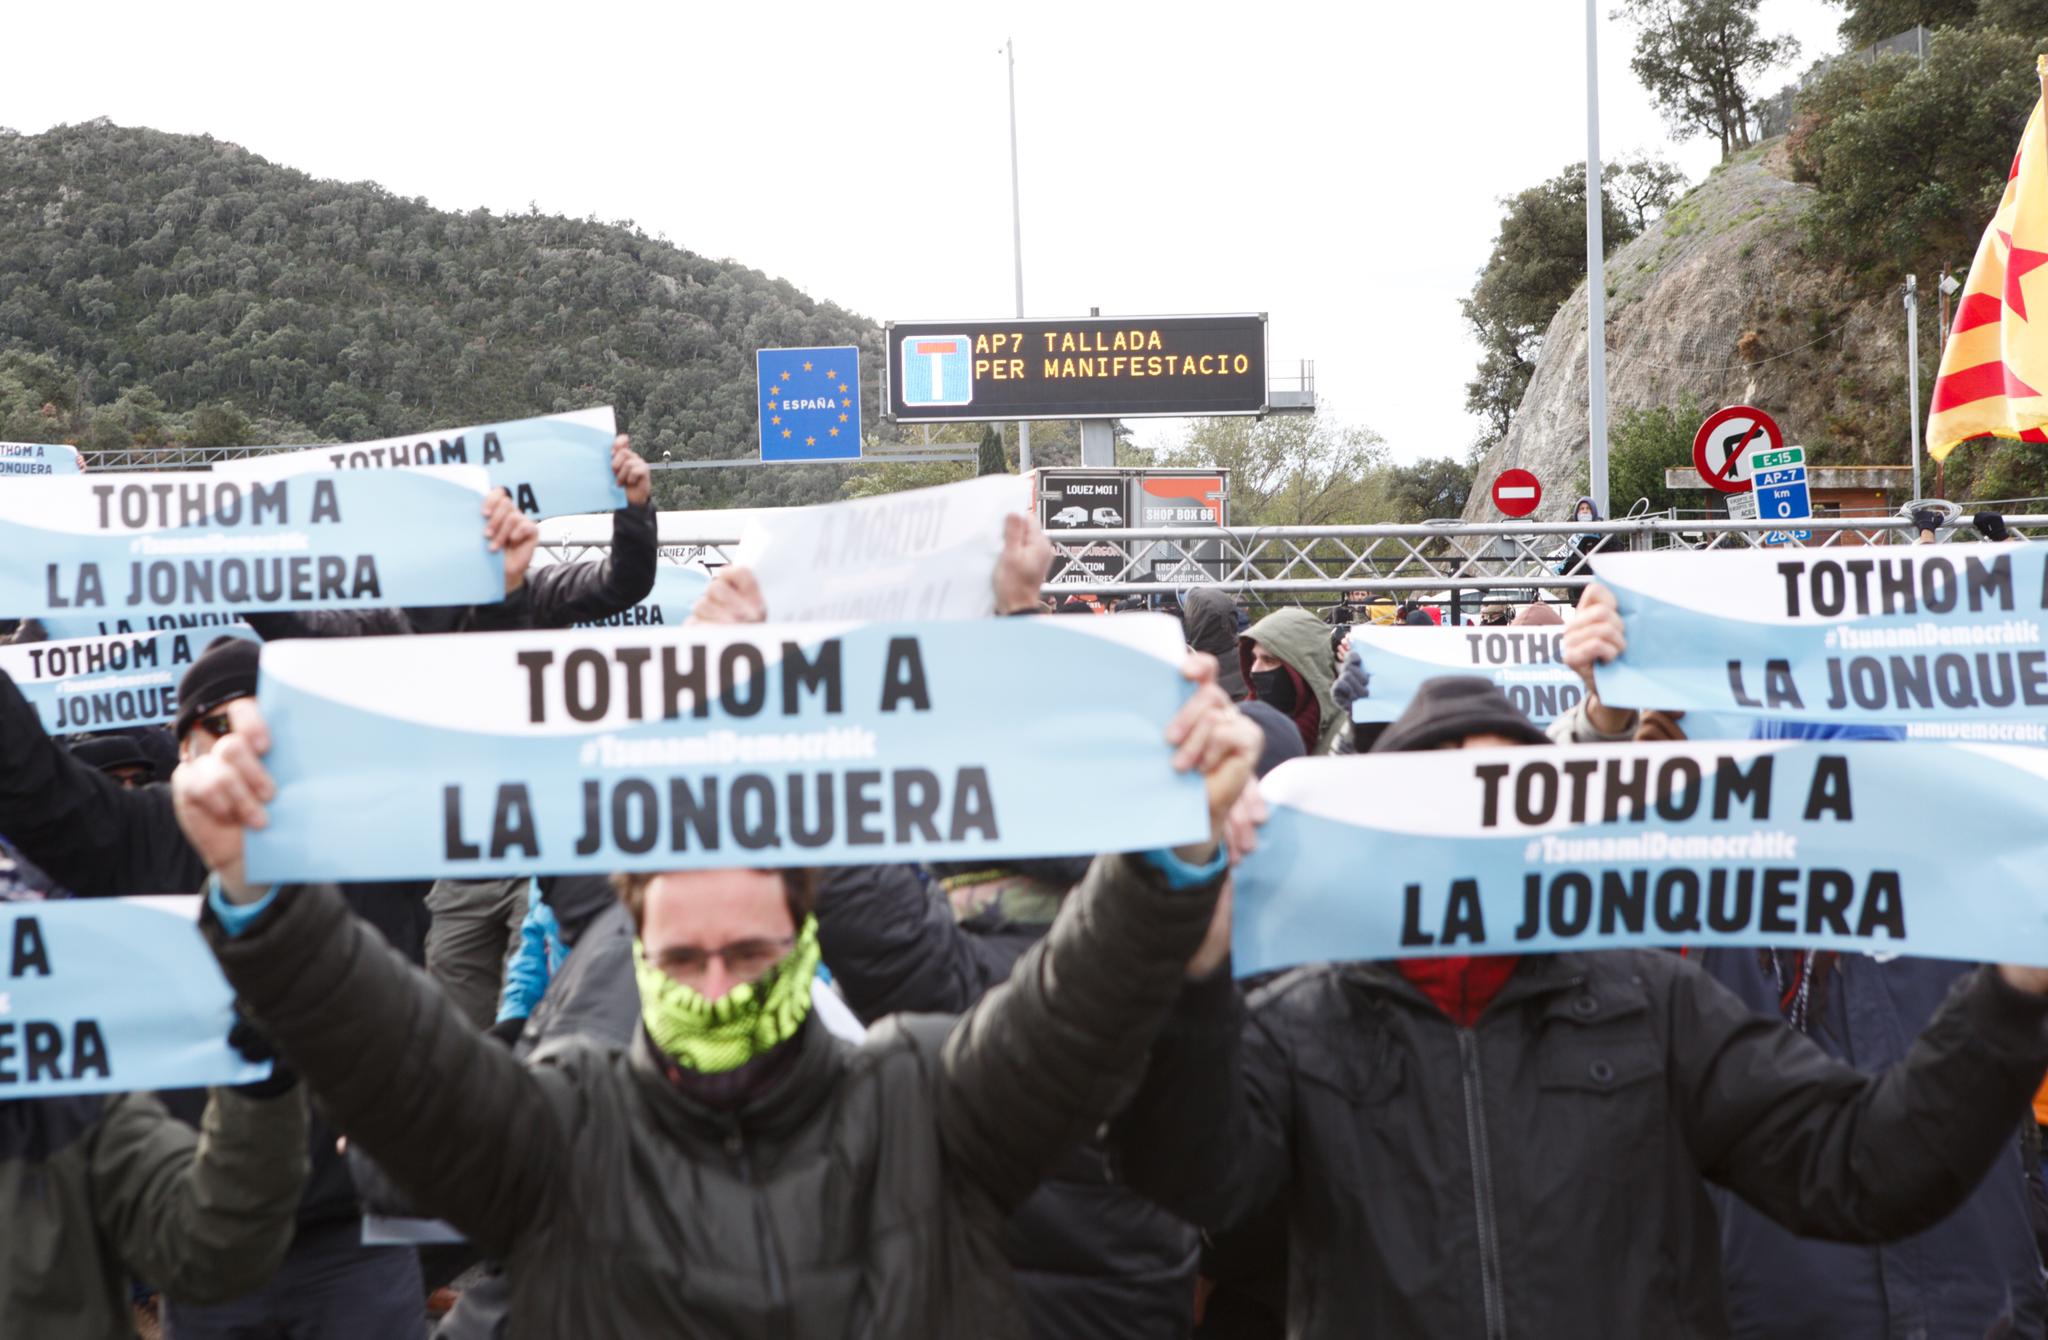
{"x": 1721, "y": 448}
{"x": 1517, "y": 492}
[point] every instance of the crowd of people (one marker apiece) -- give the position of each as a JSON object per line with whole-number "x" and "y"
{"x": 1025, "y": 1097}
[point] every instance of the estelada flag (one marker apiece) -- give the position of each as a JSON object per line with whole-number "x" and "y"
{"x": 1994, "y": 373}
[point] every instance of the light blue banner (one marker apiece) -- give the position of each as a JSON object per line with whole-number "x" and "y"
{"x": 675, "y": 593}
{"x": 1880, "y": 635}
{"x": 105, "y": 995}
{"x": 1526, "y": 663}
{"x": 1507, "y": 851}
{"x": 123, "y": 546}
{"x": 38, "y": 458}
{"x": 760, "y": 745}
{"x": 557, "y": 465}
{"x": 60, "y": 627}
{"x": 101, "y": 683}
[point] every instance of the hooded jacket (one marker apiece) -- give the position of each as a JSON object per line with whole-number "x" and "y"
{"x": 1301, "y": 643}
{"x": 863, "y": 1195}
{"x": 1209, "y": 622}
{"x": 97, "y": 1189}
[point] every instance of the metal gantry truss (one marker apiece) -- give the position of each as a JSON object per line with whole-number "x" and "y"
{"x": 1510, "y": 559}
{"x": 166, "y": 458}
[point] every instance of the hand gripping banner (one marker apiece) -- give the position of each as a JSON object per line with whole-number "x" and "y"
{"x": 1527, "y": 664}
{"x": 556, "y": 465}
{"x": 104, "y": 995}
{"x": 1880, "y": 635}
{"x": 760, "y": 745}
{"x": 100, "y": 546}
{"x": 1533, "y": 850}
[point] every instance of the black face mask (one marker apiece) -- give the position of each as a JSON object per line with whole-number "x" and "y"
{"x": 1274, "y": 688}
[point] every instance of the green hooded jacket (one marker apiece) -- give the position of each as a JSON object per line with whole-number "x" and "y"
{"x": 1301, "y": 642}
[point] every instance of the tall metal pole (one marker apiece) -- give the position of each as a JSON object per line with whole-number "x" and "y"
{"x": 1913, "y": 373}
{"x": 1596, "y": 274}
{"x": 1017, "y": 237}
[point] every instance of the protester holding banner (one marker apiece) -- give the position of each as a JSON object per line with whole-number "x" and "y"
{"x": 507, "y": 530}
{"x": 564, "y": 594}
{"x": 474, "y": 924}
{"x": 1500, "y": 1143}
{"x": 731, "y": 1106}
{"x": 329, "y": 1278}
{"x": 1287, "y": 662}
{"x": 1978, "y": 1271}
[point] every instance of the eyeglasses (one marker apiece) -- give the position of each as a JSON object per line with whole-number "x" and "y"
{"x": 744, "y": 959}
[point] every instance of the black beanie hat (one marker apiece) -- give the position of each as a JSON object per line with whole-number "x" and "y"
{"x": 1283, "y": 737}
{"x": 226, "y": 669}
{"x": 110, "y": 751}
{"x": 1452, "y": 707}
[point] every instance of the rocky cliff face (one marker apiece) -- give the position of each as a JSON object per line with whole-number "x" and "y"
{"x": 1718, "y": 300}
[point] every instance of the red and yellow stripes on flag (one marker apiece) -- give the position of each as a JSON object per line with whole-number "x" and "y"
{"x": 1994, "y": 373}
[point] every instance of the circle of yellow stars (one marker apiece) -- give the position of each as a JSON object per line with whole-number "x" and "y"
{"x": 845, "y": 403}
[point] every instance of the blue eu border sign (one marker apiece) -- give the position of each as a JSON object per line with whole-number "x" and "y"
{"x": 810, "y": 403}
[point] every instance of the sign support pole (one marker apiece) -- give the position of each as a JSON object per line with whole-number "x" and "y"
{"x": 1913, "y": 374}
{"x": 1017, "y": 240}
{"x": 1596, "y": 275}
{"x": 1098, "y": 442}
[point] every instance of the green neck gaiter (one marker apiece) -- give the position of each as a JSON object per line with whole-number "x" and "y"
{"x": 715, "y": 1036}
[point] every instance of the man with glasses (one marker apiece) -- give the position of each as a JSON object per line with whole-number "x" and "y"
{"x": 736, "y": 1171}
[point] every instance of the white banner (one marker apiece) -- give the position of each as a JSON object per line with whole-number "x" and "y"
{"x": 920, "y": 554}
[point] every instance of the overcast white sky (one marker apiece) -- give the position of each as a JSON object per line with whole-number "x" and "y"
{"x": 1335, "y": 167}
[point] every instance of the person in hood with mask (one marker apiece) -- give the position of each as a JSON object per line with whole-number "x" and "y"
{"x": 1208, "y": 620}
{"x": 1584, "y": 545}
{"x": 736, "y": 1171}
{"x": 1287, "y": 663}
{"x": 1494, "y": 1145}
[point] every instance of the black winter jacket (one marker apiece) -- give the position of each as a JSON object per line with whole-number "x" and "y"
{"x": 1545, "y": 1172}
{"x": 79, "y": 826}
{"x": 1974, "y": 1274}
{"x": 863, "y": 1196}
{"x": 1094, "y": 1260}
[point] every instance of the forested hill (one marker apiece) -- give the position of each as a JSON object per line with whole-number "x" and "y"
{"x": 171, "y": 288}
